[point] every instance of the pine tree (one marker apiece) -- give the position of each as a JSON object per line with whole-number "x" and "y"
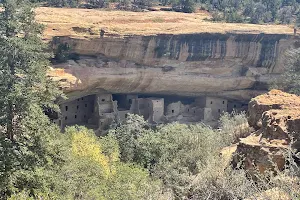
{"x": 24, "y": 91}
{"x": 23, "y": 67}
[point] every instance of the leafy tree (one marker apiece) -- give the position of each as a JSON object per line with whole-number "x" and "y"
{"x": 297, "y": 22}
{"x": 272, "y": 6}
{"x": 188, "y": 6}
{"x": 285, "y": 15}
{"x": 290, "y": 80}
{"x": 93, "y": 170}
{"x": 255, "y": 11}
{"x": 26, "y": 137}
{"x": 128, "y": 134}
{"x": 258, "y": 13}
{"x": 175, "y": 153}
{"x": 124, "y": 4}
{"x": 98, "y": 3}
{"x": 64, "y": 3}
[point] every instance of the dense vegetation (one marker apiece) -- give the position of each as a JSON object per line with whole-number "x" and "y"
{"x": 254, "y": 11}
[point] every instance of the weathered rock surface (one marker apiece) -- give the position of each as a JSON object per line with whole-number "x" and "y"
{"x": 272, "y": 194}
{"x": 65, "y": 80}
{"x": 234, "y": 66}
{"x": 276, "y": 116}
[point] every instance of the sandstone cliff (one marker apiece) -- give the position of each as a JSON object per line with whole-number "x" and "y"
{"x": 276, "y": 117}
{"x": 234, "y": 66}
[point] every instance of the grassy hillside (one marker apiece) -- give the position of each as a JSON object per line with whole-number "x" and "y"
{"x": 87, "y": 22}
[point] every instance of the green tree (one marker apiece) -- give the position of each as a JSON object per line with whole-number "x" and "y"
{"x": 188, "y": 6}
{"x": 272, "y": 6}
{"x": 290, "y": 79}
{"x": 25, "y": 90}
{"x": 175, "y": 153}
{"x": 93, "y": 170}
{"x": 98, "y": 3}
{"x": 128, "y": 135}
{"x": 297, "y": 22}
{"x": 285, "y": 15}
{"x": 24, "y": 63}
{"x": 64, "y": 3}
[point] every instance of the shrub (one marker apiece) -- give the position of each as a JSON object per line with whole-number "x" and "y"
{"x": 64, "y": 3}
{"x": 234, "y": 126}
{"x": 97, "y": 173}
{"x": 175, "y": 153}
{"x": 62, "y": 53}
{"x": 290, "y": 80}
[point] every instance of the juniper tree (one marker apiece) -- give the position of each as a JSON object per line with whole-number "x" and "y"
{"x": 24, "y": 91}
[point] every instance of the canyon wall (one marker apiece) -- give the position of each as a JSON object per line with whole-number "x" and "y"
{"x": 233, "y": 66}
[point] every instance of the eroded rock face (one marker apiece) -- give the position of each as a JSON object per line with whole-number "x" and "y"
{"x": 65, "y": 80}
{"x": 276, "y": 116}
{"x": 225, "y": 65}
{"x": 96, "y": 75}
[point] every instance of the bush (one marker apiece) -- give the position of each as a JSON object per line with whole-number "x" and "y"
{"x": 98, "y": 3}
{"x": 62, "y": 53}
{"x": 185, "y": 158}
{"x": 64, "y": 3}
{"x": 234, "y": 126}
{"x": 94, "y": 170}
{"x": 290, "y": 80}
{"x": 188, "y": 6}
{"x": 174, "y": 153}
{"x": 217, "y": 16}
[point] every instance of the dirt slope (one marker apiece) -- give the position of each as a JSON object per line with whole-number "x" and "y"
{"x": 87, "y": 22}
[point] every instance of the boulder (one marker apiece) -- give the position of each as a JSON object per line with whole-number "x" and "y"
{"x": 276, "y": 118}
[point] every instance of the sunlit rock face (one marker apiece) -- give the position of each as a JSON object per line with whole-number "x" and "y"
{"x": 276, "y": 118}
{"x": 232, "y": 66}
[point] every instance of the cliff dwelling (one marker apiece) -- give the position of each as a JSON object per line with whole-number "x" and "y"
{"x": 100, "y": 111}
{"x": 187, "y": 78}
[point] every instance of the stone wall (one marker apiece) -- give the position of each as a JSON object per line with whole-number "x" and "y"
{"x": 217, "y": 105}
{"x": 157, "y": 109}
{"x": 174, "y": 109}
{"x": 78, "y": 111}
{"x": 101, "y": 110}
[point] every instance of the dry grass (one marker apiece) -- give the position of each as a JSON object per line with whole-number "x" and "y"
{"x": 63, "y": 21}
